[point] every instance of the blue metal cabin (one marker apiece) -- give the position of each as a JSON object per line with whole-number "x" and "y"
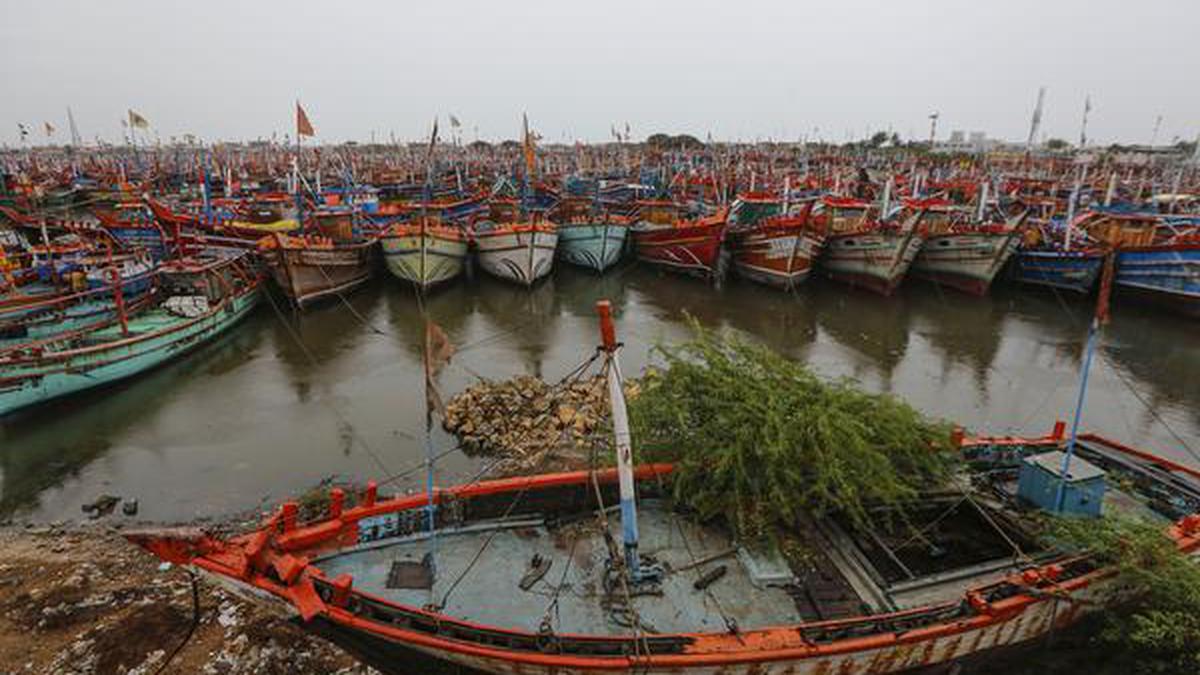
{"x": 1083, "y": 494}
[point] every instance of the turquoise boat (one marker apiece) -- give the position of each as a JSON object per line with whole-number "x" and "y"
{"x": 63, "y": 315}
{"x": 589, "y": 235}
{"x": 201, "y": 297}
{"x": 595, "y": 243}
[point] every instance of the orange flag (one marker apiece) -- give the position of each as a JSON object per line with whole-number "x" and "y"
{"x": 303, "y": 126}
{"x": 528, "y": 143}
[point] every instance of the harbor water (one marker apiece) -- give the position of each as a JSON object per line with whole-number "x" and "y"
{"x": 285, "y": 401}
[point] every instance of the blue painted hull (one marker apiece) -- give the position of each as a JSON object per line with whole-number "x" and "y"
{"x": 106, "y": 355}
{"x": 596, "y": 246}
{"x": 1164, "y": 275}
{"x": 1073, "y": 271}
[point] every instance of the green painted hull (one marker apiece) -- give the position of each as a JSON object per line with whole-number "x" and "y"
{"x": 424, "y": 259}
{"x": 105, "y": 356}
{"x": 596, "y": 246}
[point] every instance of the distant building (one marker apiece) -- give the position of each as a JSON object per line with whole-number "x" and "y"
{"x": 956, "y": 138}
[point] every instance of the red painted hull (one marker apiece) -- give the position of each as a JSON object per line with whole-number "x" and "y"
{"x": 776, "y": 255}
{"x": 689, "y": 248}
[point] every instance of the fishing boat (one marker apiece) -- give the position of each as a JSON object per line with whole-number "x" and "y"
{"x": 1165, "y": 274}
{"x": 531, "y": 574}
{"x": 312, "y": 267}
{"x": 425, "y": 251}
{"x": 198, "y": 299}
{"x": 962, "y": 253}
{"x": 589, "y": 237}
{"x": 1049, "y": 256}
{"x": 515, "y": 244}
{"x": 778, "y": 250}
{"x": 1158, "y": 257}
{"x": 863, "y": 250}
{"x": 665, "y": 237}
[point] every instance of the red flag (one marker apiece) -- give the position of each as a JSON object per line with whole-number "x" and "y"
{"x": 1106, "y": 281}
{"x": 303, "y": 126}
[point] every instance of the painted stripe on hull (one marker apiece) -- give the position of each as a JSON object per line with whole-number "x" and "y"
{"x": 520, "y": 257}
{"x": 424, "y": 260}
{"x": 596, "y": 246}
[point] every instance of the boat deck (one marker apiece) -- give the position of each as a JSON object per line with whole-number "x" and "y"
{"x": 490, "y": 592}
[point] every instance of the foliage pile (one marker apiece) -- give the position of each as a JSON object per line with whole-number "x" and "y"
{"x": 758, "y": 438}
{"x": 1155, "y": 626}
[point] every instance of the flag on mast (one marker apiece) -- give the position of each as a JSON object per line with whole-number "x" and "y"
{"x": 303, "y": 126}
{"x": 137, "y": 121}
{"x": 454, "y": 122}
{"x": 49, "y": 129}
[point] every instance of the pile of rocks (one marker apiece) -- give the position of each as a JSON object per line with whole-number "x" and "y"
{"x": 525, "y": 418}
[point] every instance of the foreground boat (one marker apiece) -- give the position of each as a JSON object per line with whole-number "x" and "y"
{"x": 425, "y": 251}
{"x": 200, "y": 298}
{"x": 357, "y": 577}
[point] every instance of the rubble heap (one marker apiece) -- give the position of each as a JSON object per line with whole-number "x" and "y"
{"x": 525, "y": 418}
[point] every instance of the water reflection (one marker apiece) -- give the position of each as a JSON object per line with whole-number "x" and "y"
{"x": 286, "y": 400}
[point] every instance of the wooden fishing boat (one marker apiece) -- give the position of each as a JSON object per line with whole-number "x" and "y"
{"x": 964, "y": 254}
{"x": 199, "y": 298}
{"x": 589, "y": 237}
{"x": 551, "y": 597}
{"x": 663, "y": 236}
{"x": 521, "y": 251}
{"x": 778, "y": 250}
{"x": 1166, "y": 274}
{"x": 863, "y": 251}
{"x": 311, "y": 267}
{"x": 1158, "y": 257}
{"x": 425, "y": 250}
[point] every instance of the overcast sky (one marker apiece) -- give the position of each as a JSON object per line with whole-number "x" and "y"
{"x": 740, "y": 69}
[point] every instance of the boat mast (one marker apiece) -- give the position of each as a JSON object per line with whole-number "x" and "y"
{"x": 620, "y": 417}
{"x": 1100, "y": 318}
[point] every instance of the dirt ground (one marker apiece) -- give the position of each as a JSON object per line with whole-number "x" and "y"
{"x": 80, "y": 599}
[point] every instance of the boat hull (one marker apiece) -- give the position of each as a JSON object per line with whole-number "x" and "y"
{"x": 875, "y": 261}
{"x": 522, "y": 256}
{"x": 396, "y": 653}
{"x": 425, "y": 259}
{"x": 1167, "y": 276}
{"x": 30, "y": 381}
{"x": 968, "y": 262}
{"x": 596, "y": 246}
{"x": 780, "y": 257}
{"x": 1071, "y": 271}
{"x": 310, "y": 274}
{"x": 694, "y": 249}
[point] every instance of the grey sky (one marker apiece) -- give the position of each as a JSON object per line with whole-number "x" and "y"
{"x": 738, "y": 68}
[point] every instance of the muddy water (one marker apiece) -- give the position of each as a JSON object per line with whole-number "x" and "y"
{"x": 283, "y": 402}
